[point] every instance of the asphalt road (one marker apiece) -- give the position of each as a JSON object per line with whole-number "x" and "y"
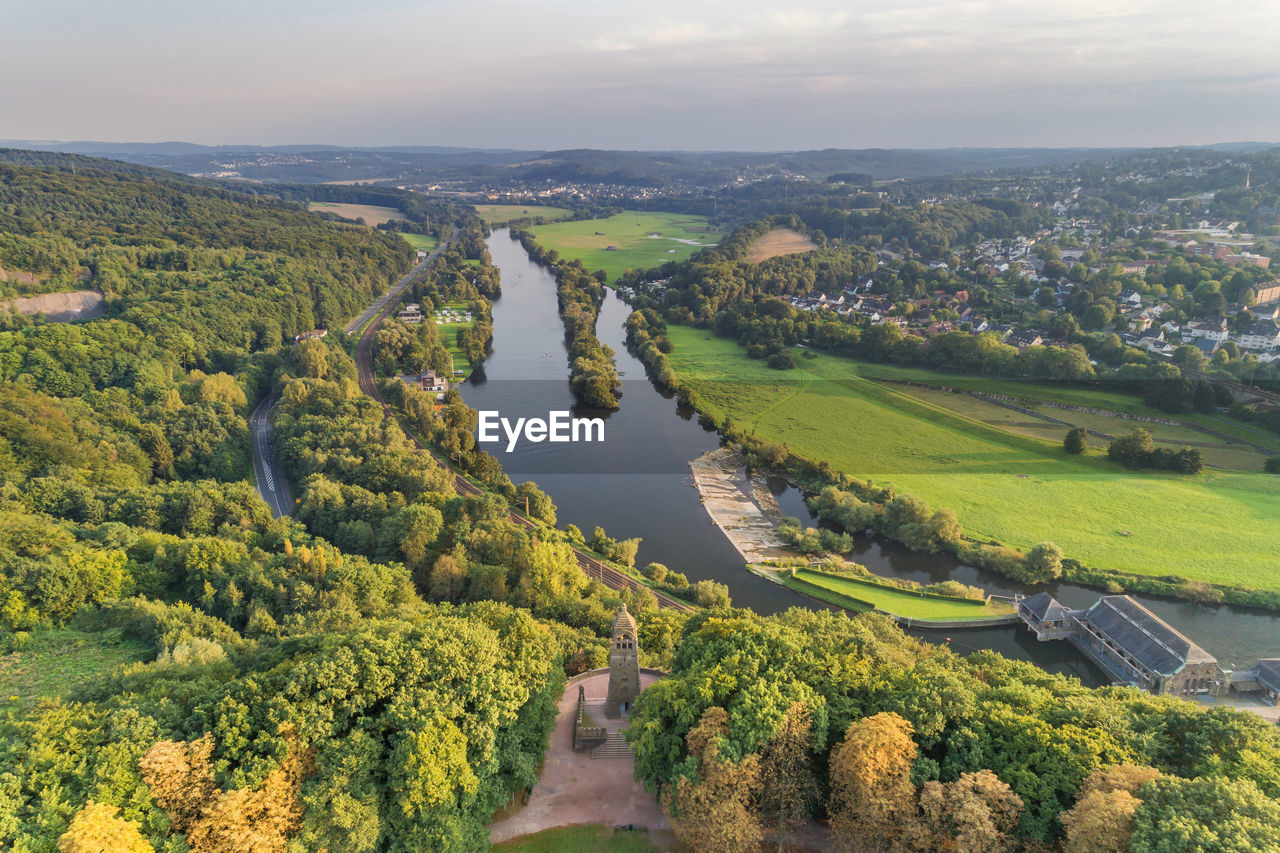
{"x": 272, "y": 484}
{"x": 394, "y": 293}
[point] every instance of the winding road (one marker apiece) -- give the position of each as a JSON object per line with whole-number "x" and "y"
{"x": 272, "y": 483}
{"x": 274, "y": 488}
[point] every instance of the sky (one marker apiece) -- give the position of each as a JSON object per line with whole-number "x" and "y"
{"x": 723, "y": 75}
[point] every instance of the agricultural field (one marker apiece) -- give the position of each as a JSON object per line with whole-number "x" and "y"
{"x": 501, "y": 214}
{"x": 1217, "y": 452}
{"x": 778, "y": 242}
{"x": 851, "y": 592}
{"x": 372, "y": 214}
{"x": 1014, "y": 488}
{"x": 425, "y": 242}
{"x": 56, "y": 663}
{"x": 640, "y": 240}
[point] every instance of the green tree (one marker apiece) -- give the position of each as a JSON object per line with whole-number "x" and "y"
{"x": 1211, "y": 814}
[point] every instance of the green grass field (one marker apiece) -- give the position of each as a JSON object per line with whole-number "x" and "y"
{"x": 1217, "y": 451}
{"x": 1017, "y": 489}
{"x": 579, "y": 839}
{"x": 449, "y": 336}
{"x": 501, "y": 214}
{"x": 55, "y": 663}
{"x": 421, "y": 241}
{"x": 679, "y": 237}
{"x": 372, "y": 214}
{"x": 898, "y": 602}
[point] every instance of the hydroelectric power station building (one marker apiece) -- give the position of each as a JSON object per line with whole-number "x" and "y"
{"x": 1129, "y": 642}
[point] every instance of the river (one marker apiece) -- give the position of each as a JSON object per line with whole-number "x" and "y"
{"x": 637, "y": 483}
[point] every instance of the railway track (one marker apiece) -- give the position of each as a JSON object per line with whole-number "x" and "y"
{"x": 593, "y": 567}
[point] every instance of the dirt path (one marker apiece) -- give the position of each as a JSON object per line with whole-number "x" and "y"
{"x": 575, "y": 788}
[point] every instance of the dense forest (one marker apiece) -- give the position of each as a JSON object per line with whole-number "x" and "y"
{"x": 766, "y": 722}
{"x": 379, "y": 672}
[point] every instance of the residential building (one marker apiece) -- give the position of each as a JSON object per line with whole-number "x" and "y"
{"x": 1214, "y": 330}
{"x": 1264, "y": 294}
{"x": 1260, "y": 335}
{"x": 1023, "y": 338}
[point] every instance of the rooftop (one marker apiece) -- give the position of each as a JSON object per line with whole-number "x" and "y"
{"x": 1144, "y": 635}
{"x": 1045, "y": 607}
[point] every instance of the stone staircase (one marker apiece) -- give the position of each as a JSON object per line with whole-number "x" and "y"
{"x": 614, "y": 746}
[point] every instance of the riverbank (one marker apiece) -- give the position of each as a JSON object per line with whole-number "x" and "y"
{"x": 746, "y": 511}
{"x": 906, "y": 607}
{"x": 731, "y": 500}
{"x": 826, "y": 411}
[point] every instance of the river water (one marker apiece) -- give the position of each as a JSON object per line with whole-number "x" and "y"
{"x": 637, "y": 483}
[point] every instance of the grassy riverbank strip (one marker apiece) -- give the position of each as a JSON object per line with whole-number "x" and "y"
{"x": 861, "y": 595}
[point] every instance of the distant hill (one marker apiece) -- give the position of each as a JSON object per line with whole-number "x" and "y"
{"x": 424, "y": 163}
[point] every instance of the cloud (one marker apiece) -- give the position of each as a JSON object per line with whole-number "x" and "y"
{"x": 668, "y": 73}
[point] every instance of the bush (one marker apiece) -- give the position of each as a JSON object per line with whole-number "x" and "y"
{"x": 1272, "y": 465}
{"x": 782, "y": 361}
{"x": 1074, "y": 443}
{"x": 710, "y": 594}
{"x": 1137, "y": 450}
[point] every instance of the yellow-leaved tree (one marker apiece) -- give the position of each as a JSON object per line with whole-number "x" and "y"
{"x": 872, "y": 801}
{"x": 98, "y": 828}
{"x": 717, "y": 811}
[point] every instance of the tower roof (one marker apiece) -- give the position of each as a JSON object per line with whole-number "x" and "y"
{"x": 624, "y": 622}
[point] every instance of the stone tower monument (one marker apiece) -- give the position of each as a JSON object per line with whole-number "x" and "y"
{"x": 624, "y": 667}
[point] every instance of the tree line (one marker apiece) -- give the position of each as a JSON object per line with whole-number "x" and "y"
{"x": 593, "y": 376}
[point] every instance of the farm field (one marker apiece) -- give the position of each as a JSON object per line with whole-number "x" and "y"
{"x": 372, "y": 214}
{"x": 777, "y": 242}
{"x": 679, "y": 236}
{"x": 1032, "y": 394}
{"x": 1017, "y": 489}
{"x": 425, "y": 242}
{"x": 1217, "y": 452}
{"x": 55, "y": 663}
{"x": 501, "y": 214}
{"x": 897, "y": 602}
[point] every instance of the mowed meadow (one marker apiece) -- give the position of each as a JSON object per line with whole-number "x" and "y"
{"x": 777, "y": 242}
{"x": 501, "y": 214}
{"x": 639, "y": 239}
{"x": 1219, "y": 526}
{"x": 372, "y": 214}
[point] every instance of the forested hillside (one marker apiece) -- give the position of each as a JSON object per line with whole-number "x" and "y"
{"x": 286, "y": 689}
{"x": 278, "y": 672}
